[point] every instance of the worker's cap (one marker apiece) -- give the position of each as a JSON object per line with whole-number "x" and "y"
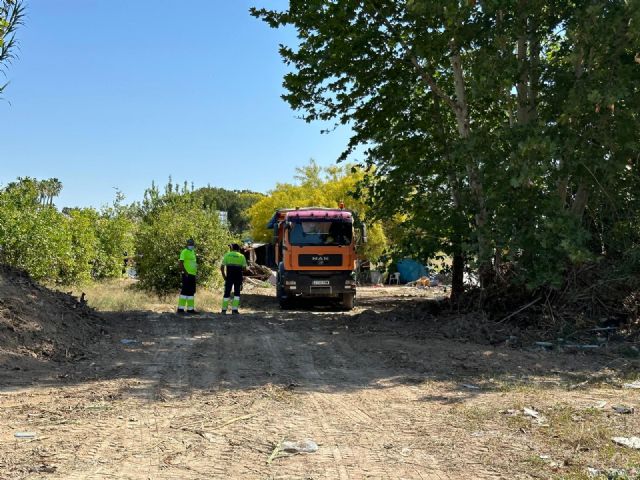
{"x": 191, "y": 242}
{"x": 234, "y": 246}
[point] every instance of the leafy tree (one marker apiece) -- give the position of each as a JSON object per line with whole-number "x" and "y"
{"x": 76, "y": 245}
{"x": 319, "y": 187}
{"x": 11, "y": 15}
{"x": 235, "y": 202}
{"x": 32, "y": 237}
{"x": 84, "y": 245}
{"x": 162, "y": 235}
{"x": 49, "y": 189}
{"x": 496, "y": 128}
{"x": 115, "y": 232}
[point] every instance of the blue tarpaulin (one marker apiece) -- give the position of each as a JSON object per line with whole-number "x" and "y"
{"x": 410, "y": 270}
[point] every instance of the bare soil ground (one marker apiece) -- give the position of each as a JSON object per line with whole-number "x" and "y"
{"x": 385, "y": 391}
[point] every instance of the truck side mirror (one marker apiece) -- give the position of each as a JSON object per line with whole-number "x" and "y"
{"x": 364, "y": 233}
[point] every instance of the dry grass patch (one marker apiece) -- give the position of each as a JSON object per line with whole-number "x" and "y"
{"x": 123, "y": 295}
{"x": 565, "y": 440}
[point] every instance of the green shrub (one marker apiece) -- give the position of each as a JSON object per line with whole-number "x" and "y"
{"x": 162, "y": 235}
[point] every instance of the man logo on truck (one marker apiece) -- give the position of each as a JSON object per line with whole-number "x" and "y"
{"x": 320, "y": 260}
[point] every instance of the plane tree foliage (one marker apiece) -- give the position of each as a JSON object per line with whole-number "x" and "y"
{"x": 321, "y": 187}
{"x": 504, "y": 132}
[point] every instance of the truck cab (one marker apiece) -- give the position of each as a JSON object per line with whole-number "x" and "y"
{"x": 315, "y": 251}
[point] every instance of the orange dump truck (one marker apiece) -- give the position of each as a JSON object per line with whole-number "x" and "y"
{"x": 315, "y": 251}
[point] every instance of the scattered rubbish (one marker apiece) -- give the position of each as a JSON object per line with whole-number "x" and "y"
{"x": 545, "y": 457}
{"x": 128, "y": 341}
{"x": 530, "y": 412}
{"x": 600, "y": 404}
{"x": 421, "y": 282}
{"x": 537, "y": 416}
{"x": 578, "y": 385}
{"x": 303, "y": 446}
{"x": 287, "y": 448}
{"x": 405, "y": 452}
{"x": 25, "y": 435}
{"x": 635, "y": 385}
{"x": 44, "y": 468}
{"x": 212, "y": 438}
{"x": 470, "y": 387}
{"x": 623, "y": 409}
{"x": 583, "y": 347}
{"x": 630, "y": 442}
{"x": 593, "y": 472}
{"x": 511, "y": 412}
{"x": 544, "y": 344}
{"x": 612, "y": 473}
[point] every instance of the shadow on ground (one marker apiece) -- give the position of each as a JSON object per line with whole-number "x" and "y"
{"x": 383, "y": 343}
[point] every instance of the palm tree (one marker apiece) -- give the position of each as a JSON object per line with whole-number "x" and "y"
{"x": 11, "y": 14}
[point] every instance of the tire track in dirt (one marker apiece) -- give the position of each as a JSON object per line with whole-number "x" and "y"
{"x": 351, "y": 391}
{"x": 338, "y": 467}
{"x": 369, "y": 412}
{"x": 163, "y": 363}
{"x": 334, "y": 408}
{"x": 391, "y": 402}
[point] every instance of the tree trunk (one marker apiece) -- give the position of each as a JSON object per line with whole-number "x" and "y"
{"x": 457, "y": 276}
{"x": 534, "y": 72}
{"x": 523, "y": 80}
{"x": 475, "y": 182}
{"x": 563, "y": 185}
{"x": 580, "y": 202}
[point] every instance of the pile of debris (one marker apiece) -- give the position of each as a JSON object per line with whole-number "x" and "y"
{"x": 38, "y": 324}
{"x": 259, "y": 275}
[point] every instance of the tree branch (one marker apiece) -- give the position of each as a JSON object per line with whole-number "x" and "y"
{"x": 424, "y": 74}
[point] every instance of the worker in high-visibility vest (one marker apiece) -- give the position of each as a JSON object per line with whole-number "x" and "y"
{"x": 233, "y": 264}
{"x": 189, "y": 270}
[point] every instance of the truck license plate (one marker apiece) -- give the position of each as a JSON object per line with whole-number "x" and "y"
{"x": 321, "y": 282}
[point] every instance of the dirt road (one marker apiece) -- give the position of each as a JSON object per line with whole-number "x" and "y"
{"x": 381, "y": 394}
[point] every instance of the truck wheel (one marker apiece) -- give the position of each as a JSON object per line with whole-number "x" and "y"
{"x": 282, "y": 300}
{"x": 348, "y": 300}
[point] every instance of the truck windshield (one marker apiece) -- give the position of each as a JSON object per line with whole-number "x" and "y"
{"x": 321, "y": 233}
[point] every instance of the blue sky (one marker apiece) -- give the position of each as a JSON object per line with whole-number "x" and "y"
{"x": 117, "y": 93}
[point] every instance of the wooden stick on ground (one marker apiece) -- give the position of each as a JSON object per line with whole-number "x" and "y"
{"x": 520, "y": 310}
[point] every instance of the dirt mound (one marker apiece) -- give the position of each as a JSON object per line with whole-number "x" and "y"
{"x": 37, "y": 323}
